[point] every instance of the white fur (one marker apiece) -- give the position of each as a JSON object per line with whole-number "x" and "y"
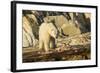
{"x": 46, "y": 32}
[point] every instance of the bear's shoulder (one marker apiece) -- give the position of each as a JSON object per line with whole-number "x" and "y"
{"x": 43, "y": 26}
{"x": 46, "y": 25}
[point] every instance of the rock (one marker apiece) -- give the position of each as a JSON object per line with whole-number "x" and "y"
{"x": 33, "y": 24}
{"x": 28, "y": 36}
{"x": 80, "y": 39}
{"x": 70, "y": 29}
{"x": 83, "y": 21}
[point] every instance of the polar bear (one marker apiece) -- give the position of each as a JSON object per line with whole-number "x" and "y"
{"x": 47, "y": 35}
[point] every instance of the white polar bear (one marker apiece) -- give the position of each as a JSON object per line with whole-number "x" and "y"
{"x": 47, "y": 34}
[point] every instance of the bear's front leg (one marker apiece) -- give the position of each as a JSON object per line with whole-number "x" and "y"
{"x": 46, "y": 46}
{"x": 40, "y": 44}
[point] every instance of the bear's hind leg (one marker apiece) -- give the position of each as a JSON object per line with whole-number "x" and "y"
{"x": 52, "y": 43}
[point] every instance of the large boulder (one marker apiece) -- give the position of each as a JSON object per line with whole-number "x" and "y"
{"x": 70, "y": 29}
{"x": 28, "y": 36}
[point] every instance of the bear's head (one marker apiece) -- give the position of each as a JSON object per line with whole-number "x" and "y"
{"x": 52, "y": 30}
